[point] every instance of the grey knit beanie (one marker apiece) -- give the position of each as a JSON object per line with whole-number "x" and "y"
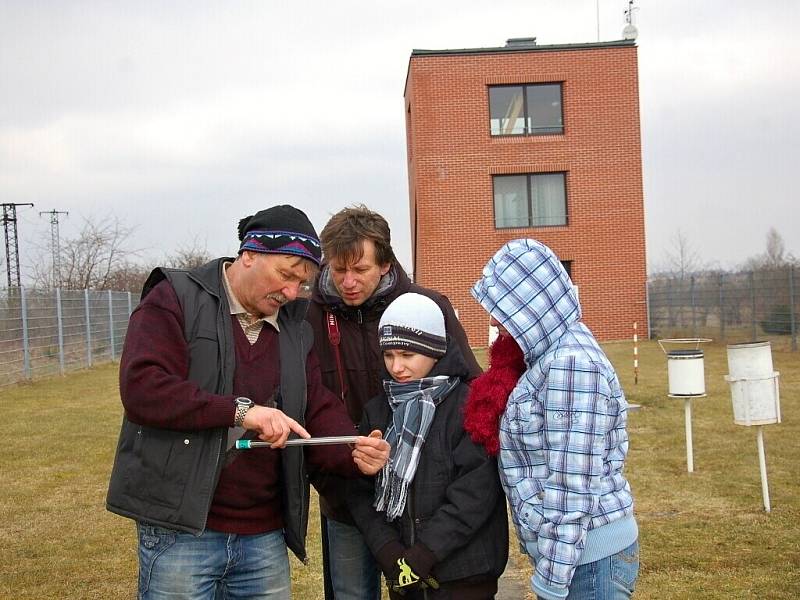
{"x": 413, "y": 322}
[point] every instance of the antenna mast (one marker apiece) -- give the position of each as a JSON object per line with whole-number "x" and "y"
{"x": 629, "y": 32}
{"x": 12, "y": 245}
{"x": 55, "y": 244}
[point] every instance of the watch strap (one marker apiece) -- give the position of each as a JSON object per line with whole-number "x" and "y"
{"x": 242, "y": 406}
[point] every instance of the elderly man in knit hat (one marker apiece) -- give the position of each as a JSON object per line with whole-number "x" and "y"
{"x": 211, "y": 355}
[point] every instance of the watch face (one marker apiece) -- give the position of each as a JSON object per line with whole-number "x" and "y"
{"x": 244, "y": 402}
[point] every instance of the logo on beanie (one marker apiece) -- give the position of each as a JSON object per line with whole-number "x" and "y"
{"x": 413, "y": 322}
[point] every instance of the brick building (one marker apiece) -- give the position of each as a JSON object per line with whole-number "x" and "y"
{"x": 529, "y": 141}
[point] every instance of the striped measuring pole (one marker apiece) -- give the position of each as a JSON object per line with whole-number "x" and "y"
{"x": 635, "y": 354}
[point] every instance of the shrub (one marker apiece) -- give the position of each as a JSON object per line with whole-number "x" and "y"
{"x": 779, "y": 320}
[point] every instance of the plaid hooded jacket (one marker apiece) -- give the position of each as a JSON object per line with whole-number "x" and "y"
{"x": 563, "y": 437}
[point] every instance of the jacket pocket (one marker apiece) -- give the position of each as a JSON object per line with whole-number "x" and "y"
{"x": 163, "y": 461}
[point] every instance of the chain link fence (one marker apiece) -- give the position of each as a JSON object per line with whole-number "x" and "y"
{"x": 730, "y": 307}
{"x": 51, "y": 332}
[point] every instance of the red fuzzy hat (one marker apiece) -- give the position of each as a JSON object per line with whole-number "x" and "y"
{"x": 489, "y": 393}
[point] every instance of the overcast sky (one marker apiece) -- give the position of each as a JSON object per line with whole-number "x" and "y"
{"x": 180, "y": 117}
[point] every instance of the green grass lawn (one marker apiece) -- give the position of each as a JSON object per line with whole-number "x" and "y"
{"x": 703, "y": 535}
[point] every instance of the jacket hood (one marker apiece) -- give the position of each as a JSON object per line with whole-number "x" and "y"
{"x": 526, "y": 289}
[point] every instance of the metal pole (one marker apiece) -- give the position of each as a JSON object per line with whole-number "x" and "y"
{"x": 88, "y": 329}
{"x": 670, "y": 315}
{"x": 130, "y": 305}
{"x": 687, "y": 409}
{"x": 26, "y": 350}
{"x": 792, "y": 315}
{"x": 694, "y": 306}
{"x": 597, "y": 9}
{"x": 111, "y": 323}
{"x": 55, "y": 245}
{"x": 648, "y": 308}
{"x": 12, "y": 242}
{"x": 635, "y": 353}
{"x": 721, "y": 308}
{"x": 60, "y": 331}
{"x": 753, "y": 305}
{"x": 762, "y": 464}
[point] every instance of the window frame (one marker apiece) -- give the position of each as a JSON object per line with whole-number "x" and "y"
{"x": 530, "y": 214}
{"x": 525, "y": 116}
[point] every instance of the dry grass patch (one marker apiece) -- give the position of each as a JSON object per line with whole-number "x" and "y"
{"x": 703, "y": 535}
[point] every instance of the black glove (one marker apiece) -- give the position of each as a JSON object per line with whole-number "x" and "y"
{"x": 407, "y": 579}
{"x": 407, "y": 568}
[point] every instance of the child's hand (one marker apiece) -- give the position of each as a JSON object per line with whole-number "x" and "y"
{"x": 407, "y": 579}
{"x": 371, "y": 453}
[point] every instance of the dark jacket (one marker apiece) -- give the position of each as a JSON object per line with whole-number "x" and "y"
{"x": 361, "y": 358}
{"x": 168, "y": 477}
{"x": 455, "y": 515}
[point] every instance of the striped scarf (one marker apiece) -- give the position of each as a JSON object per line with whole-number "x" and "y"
{"x": 413, "y": 406}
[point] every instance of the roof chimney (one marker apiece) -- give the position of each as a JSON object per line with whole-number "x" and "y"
{"x": 524, "y": 41}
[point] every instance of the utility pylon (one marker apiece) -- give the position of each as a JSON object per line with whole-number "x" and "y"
{"x": 55, "y": 243}
{"x": 12, "y": 247}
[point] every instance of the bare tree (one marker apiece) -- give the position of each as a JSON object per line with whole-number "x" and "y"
{"x": 775, "y": 255}
{"x": 90, "y": 259}
{"x": 189, "y": 256}
{"x": 129, "y": 277}
{"x": 681, "y": 258}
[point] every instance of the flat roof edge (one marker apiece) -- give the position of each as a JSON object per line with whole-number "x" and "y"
{"x": 525, "y": 48}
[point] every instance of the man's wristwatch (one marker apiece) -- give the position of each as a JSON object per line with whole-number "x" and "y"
{"x": 242, "y": 406}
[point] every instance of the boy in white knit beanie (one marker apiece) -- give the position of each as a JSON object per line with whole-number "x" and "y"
{"x": 435, "y": 516}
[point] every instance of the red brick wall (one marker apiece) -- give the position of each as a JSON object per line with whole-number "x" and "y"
{"x": 452, "y": 158}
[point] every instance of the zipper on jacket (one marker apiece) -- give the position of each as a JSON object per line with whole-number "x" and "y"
{"x": 217, "y": 455}
{"x": 302, "y": 415}
{"x": 412, "y": 515}
{"x": 372, "y": 374}
{"x": 222, "y": 435}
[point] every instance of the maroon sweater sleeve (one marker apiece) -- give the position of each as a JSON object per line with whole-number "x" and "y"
{"x": 154, "y": 368}
{"x": 325, "y": 416}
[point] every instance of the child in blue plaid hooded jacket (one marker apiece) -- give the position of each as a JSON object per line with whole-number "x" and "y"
{"x": 563, "y": 437}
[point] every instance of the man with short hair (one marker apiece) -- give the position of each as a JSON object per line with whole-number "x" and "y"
{"x": 359, "y": 279}
{"x": 213, "y": 354}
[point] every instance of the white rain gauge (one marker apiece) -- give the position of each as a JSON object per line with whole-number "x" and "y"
{"x": 686, "y": 376}
{"x": 755, "y": 395}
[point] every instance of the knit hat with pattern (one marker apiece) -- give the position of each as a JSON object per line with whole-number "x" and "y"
{"x": 281, "y": 229}
{"x": 413, "y": 322}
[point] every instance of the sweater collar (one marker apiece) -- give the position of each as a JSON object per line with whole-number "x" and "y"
{"x": 236, "y": 307}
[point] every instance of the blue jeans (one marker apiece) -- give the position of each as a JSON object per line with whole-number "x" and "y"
{"x": 354, "y": 573}
{"x": 213, "y": 566}
{"x": 610, "y": 578}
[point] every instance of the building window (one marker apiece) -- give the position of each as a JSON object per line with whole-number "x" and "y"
{"x": 531, "y": 200}
{"x": 526, "y": 109}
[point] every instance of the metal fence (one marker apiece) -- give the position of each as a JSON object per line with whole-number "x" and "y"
{"x": 732, "y": 307}
{"x": 51, "y": 332}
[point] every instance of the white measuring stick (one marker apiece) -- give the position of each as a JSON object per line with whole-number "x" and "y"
{"x": 687, "y": 405}
{"x": 318, "y": 441}
{"x": 762, "y": 464}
